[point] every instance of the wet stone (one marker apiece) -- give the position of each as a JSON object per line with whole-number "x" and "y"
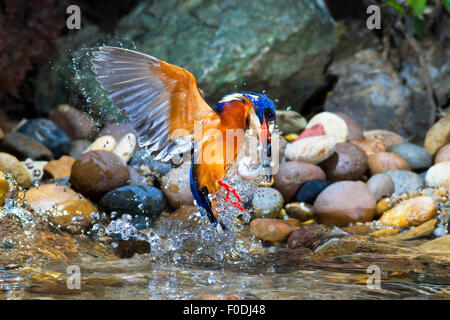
{"x": 267, "y": 203}
{"x": 135, "y": 200}
{"x": 23, "y": 146}
{"x": 176, "y": 186}
{"x": 343, "y": 203}
{"x": 97, "y": 172}
{"x": 300, "y": 210}
{"x": 311, "y": 189}
{"x": 35, "y": 169}
{"x": 348, "y": 162}
{"x": 65, "y": 207}
{"x": 271, "y": 229}
{"x": 9, "y": 163}
{"x": 58, "y": 168}
{"x": 75, "y": 123}
{"x": 307, "y": 236}
{"x": 412, "y": 212}
{"x": 292, "y": 175}
{"x": 381, "y": 185}
{"x": 315, "y": 130}
{"x": 48, "y": 133}
{"x": 4, "y": 189}
{"x": 136, "y": 178}
{"x": 106, "y": 143}
{"x": 143, "y": 158}
{"x": 415, "y": 156}
{"x": 405, "y": 180}
{"x": 187, "y": 214}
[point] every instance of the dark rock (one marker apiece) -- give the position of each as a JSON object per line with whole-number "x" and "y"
{"x": 292, "y": 175}
{"x": 290, "y": 122}
{"x": 75, "y": 123}
{"x": 48, "y": 133}
{"x": 392, "y": 99}
{"x": 291, "y": 43}
{"x": 347, "y": 163}
{"x": 135, "y": 200}
{"x": 24, "y": 146}
{"x": 97, "y": 172}
{"x": 311, "y": 189}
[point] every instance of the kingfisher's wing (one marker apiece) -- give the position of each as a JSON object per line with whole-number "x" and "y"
{"x": 158, "y": 98}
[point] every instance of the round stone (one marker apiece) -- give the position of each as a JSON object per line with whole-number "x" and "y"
{"x": 49, "y": 134}
{"x": 293, "y": 174}
{"x": 416, "y": 157}
{"x": 443, "y": 154}
{"x": 343, "y": 203}
{"x": 271, "y": 229}
{"x": 438, "y": 135}
{"x": 290, "y": 121}
{"x": 354, "y": 129}
{"x": 65, "y": 208}
{"x": 439, "y": 175}
{"x": 300, "y": 210}
{"x": 24, "y": 147}
{"x": 11, "y": 164}
{"x": 75, "y": 123}
{"x": 381, "y": 186}
{"x": 347, "y": 163}
{"x": 385, "y": 161}
{"x": 143, "y": 158}
{"x": 135, "y": 200}
{"x": 311, "y": 189}
{"x": 176, "y": 186}
{"x": 311, "y": 149}
{"x": 369, "y": 146}
{"x": 411, "y": 212}
{"x": 388, "y": 138}
{"x": 333, "y": 125}
{"x": 97, "y": 172}
{"x": 267, "y": 203}
{"x": 405, "y": 180}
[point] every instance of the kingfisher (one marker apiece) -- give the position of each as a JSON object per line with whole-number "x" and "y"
{"x": 165, "y": 106}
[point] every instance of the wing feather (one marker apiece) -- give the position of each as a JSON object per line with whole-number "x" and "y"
{"x": 158, "y": 98}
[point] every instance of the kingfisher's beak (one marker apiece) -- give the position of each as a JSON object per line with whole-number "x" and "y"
{"x": 266, "y": 151}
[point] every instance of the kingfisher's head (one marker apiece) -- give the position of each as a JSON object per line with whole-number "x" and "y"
{"x": 260, "y": 117}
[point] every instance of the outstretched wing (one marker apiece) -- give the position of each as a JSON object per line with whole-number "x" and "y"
{"x": 158, "y": 98}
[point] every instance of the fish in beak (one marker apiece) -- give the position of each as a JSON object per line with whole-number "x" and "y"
{"x": 266, "y": 151}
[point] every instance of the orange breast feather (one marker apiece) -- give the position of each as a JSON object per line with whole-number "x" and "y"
{"x": 218, "y": 149}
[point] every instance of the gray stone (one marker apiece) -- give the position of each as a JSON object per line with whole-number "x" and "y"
{"x": 282, "y": 47}
{"x": 416, "y": 157}
{"x": 381, "y": 185}
{"x": 405, "y": 180}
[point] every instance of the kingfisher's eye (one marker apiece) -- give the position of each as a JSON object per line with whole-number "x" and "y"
{"x": 269, "y": 115}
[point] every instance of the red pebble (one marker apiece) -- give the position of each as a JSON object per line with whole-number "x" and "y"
{"x": 316, "y": 130}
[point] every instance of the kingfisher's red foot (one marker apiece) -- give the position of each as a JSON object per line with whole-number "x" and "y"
{"x": 230, "y": 188}
{"x": 234, "y": 203}
{"x": 236, "y": 194}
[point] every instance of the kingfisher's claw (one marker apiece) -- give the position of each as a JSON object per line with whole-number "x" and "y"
{"x": 236, "y": 194}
